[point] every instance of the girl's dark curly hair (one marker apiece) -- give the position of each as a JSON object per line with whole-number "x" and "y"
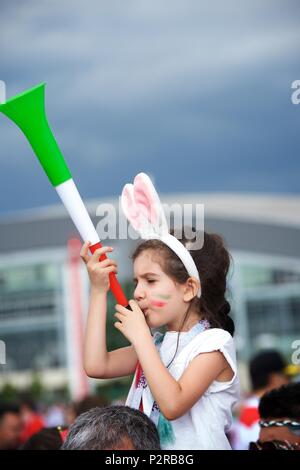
{"x": 212, "y": 262}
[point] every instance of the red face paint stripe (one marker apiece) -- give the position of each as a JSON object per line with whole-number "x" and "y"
{"x": 158, "y": 303}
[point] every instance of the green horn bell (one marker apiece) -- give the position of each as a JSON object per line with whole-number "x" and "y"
{"x": 27, "y": 110}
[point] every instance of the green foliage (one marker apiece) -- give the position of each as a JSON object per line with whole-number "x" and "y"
{"x": 9, "y": 393}
{"x": 115, "y": 390}
{"x": 36, "y": 389}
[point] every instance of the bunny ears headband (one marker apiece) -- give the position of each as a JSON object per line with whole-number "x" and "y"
{"x": 142, "y": 207}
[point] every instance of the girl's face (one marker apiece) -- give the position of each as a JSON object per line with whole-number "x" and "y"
{"x": 161, "y": 300}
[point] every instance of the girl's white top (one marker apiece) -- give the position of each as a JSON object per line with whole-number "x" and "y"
{"x": 205, "y": 424}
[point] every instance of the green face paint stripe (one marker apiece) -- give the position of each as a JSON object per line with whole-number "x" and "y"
{"x": 164, "y": 297}
{"x": 27, "y": 110}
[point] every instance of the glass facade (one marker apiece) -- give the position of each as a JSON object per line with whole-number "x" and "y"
{"x": 264, "y": 275}
{"x": 267, "y": 306}
{"x": 32, "y": 316}
{"x": 34, "y": 350}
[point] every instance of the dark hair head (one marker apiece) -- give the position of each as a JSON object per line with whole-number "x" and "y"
{"x": 28, "y": 402}
{"x": 109, "y": 427}
{"x": 8, "y": 408}
{"x": 91, "y": 401}
{"x": 46, "y": 439}
{"x": 212, "y": 262}
{"x": 262, "y": 365}
{"x": 283, "y": 402}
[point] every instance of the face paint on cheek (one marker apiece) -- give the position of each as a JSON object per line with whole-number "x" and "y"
{"x": 163, "y": 297}
{"x": 158, "y": 303}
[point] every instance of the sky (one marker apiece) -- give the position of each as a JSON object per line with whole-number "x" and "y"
{"x": 197, "y": 94}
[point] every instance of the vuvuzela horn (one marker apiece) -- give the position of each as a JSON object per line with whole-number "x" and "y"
{"x": 27, "y": 110}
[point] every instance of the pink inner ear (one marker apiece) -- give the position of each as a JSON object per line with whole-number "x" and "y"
{"x": 146, "y": 197}
{"x": 129, "y": 206}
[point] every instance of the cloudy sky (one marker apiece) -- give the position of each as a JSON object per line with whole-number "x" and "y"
{"x": 196, "y": 93}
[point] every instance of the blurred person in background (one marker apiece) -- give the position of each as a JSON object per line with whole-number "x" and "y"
{"x": 54, "y": 416}
{"x": 52, "y": 437}
{"x": 89, "y": 402}
{"x": 268, "y": 371}
{"x": 279, "y": 423}
{"x": 77, "y": 408}
{"x": 10, "y": 426}
{"x": 46, "y": 439}
{"x": 32, "y": 420}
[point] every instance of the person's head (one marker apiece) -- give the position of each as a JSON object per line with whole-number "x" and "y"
{"x": 112, "y": 428}
{"x": 74, "y": 409}
{"x": 27, "y": 406}
{"x": 267, "y": 370}
{"x": 46, "y": 439}
{"x": 279, "y": 412}
{"x": 91, "y": 401}
{"x": 167, "y": 294}
{"x": 10, "y": 426}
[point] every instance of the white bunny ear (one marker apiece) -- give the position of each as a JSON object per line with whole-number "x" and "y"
{"x": 149, "y": 206}
{"x": 142, "y": 207}
{"x": 129, "y": 206}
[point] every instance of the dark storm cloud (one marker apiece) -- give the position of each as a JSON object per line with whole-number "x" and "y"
{"x": 196, "y": 93}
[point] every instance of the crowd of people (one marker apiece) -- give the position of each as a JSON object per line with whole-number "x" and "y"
{"x": 90, "y": 424}
{"x": 268, "y": 419}
{"x": 265, "y": 415}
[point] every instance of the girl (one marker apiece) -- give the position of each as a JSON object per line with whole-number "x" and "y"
{"x": 185, "y": 380}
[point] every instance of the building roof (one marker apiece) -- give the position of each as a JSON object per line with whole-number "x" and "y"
{"x": 260, "y": 223}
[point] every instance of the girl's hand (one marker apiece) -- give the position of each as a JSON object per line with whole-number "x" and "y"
{"x": 132, "y": 323}
{"x": 98, "y": 271}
